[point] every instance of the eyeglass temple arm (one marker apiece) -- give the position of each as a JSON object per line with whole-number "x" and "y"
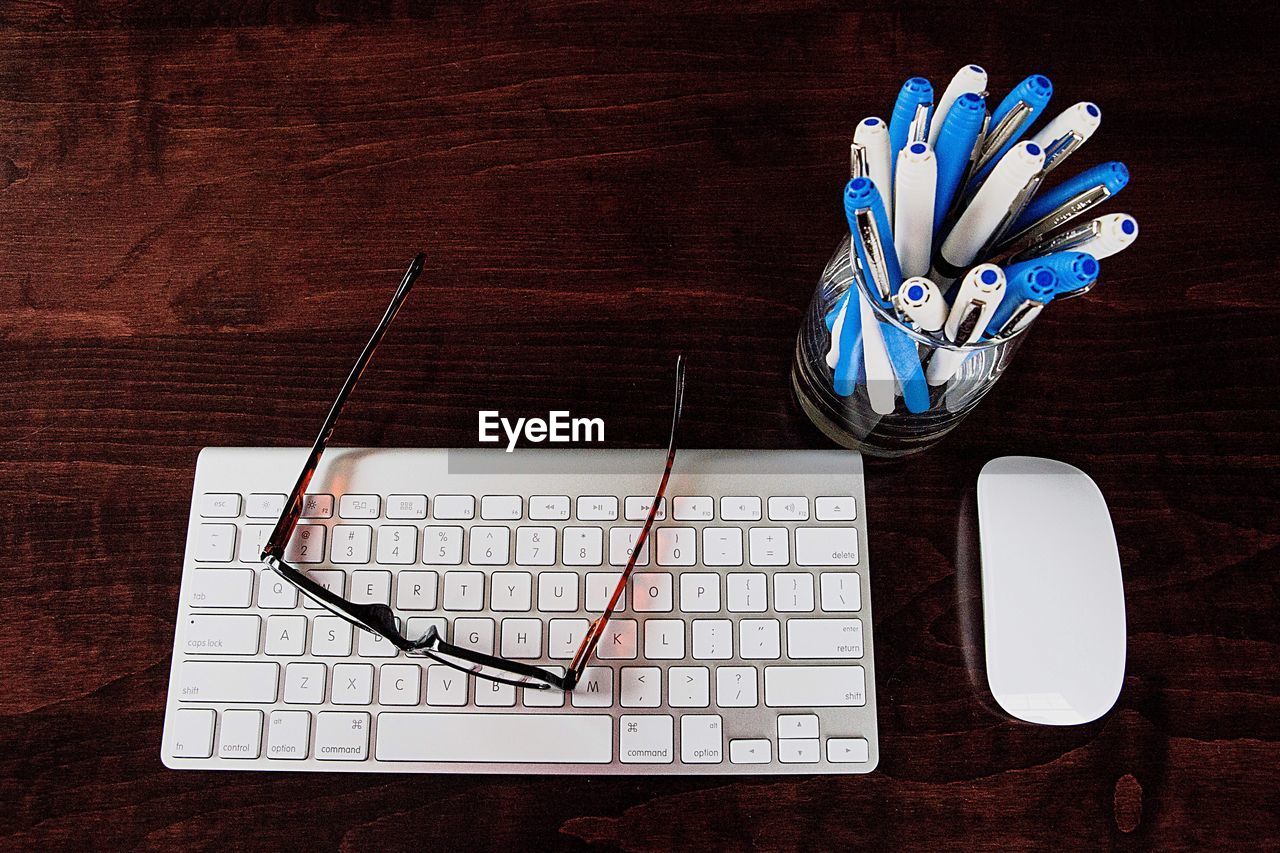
{"x": 275, "y": 545}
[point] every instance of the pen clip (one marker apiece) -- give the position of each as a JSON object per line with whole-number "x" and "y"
{"x": 1062, "y": 242}
{"x": 859, "y": 166}
{"x": 869, "y": 236}
{"x": 1007, "y": 128}
{"x": 1060, "y": 149}
{"x": 918, "y": 130}
{"x": 969, "y": 321}
{"x": 1020, "y": 318}
{"x": 1034, "y": 233}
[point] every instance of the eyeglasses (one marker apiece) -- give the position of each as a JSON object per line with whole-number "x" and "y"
{"x": 378, "y": 618}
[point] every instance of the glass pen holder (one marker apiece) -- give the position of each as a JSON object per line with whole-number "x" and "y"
{"x": 884, "y": 388}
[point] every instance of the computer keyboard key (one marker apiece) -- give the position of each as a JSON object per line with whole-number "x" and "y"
{"x": 289, "y": 735}
{"x": 564, "y": 636}
{"x": 535, "y": 546}
{"x": 264, "y": 505}
{"x": 618, "y": 641}
{"x": 568, "y": 738}
{"x": 240, "y": 735}
{"x": 464, "y": 590}
{"x": 646, "y": 739}
{"x": 750, "y": 751}
{"x": 600, "y": 588}
{"x": 220, "y": 588}
{"x": 446, "y": 686}
{"x": 342, "y": 736}
{"x": 637, "y": 508}
{"x": 798, "y": 725}
{"x": 712, "y": 639}
{"x": 398, "y": 545}
{"x": 597, "y": 508}
{"x": 441, "y": 545}
{"x": 793, "y": 592}
{"x": 370, "y": 645}
{"x": 814, "y": 686}
{"x": 700, "y": 592}
{"x": 664, "y": 639}
{"x": 841, "y": 592}
{"x": 286, "y": 636}
{"x": 759, "y": 639}
{"x": 740, "y": 509}
{"x": 595, "y": 689}
{"x": 693, "y": 509}
{"x": 331, "y": 579}
{"x": 228, "y": 681}
{"x": 799, "y": 751}
{"x": 549, "y": 508}
{"x": 677, "y": 546}
{"x": 494, "y": 694}
{"x": 511, "y": 592}
{"x": 191, "y": 733}
{"x": 583, "y": 546}
{"x": 351, "y": 543}
{"x": 848, "y": 750}
{"x": 736, "y": 687}
{"x": 769, "y": 546}
{"x": 641, "y": 687}
{"x": 793, "y": 508}
{"x": 222, "y": 634}
{"x": 622, "y": 540}
{"x": 214, "y": 543}
{"x": 826, "y": 546}
{"x": 306, "y": 545}
{"x": 252, "y": 538}
{"x": 331, "y": 637}
{"x": 475, "y": 634}
{"x": 842, "y": 508}
{"x": 275, "y": 593}
{"x": 722, "y": 546}
{"x": 371, "y": 587}
{"x": 748, "y": 592}
{"x": 317, "y": 506}
{"x": 304, "y": 683}
{"x": 701, "y": 739}
{"x": 418, "y": 627}
{"x": 502, "y": 507}
{"x": 558, "y": 592}
{"x": 406, "y": 506}
{"x": 549, "y": 698}
{"x": 359, "y": 506}
{"x": 416, "y": 590}
{"x": 688, "y": 687}
{"x": 219, "y": 505}
{"x": 522, "y": 638}
{"x": 651, "y": 592}
{"x": 455, "y": 507}
{"x": 824, "y": 638}
{"x": 490, "y": 546}
{"x": 400, "y": 684}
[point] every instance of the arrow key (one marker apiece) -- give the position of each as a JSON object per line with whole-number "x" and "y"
{"x": 750, "y": 751}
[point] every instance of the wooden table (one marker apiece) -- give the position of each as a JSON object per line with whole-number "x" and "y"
{"x": 203, "y": 207}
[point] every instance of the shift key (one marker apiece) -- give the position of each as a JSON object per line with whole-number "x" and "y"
{"x": 814, "y": 686}
{"x": 228, "y": 681}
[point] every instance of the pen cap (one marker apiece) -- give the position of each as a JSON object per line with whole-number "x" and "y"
{"x": 1116, "y": 232}
{"x": 1032, "y": 281}
{"x": 914, "y": 93}
{"x": 873, "y": 135}
{"x": 860, "y": 196}
{"x": 1082, "y": 118}
{"x": 1112, "y": 176}
{"x": 991, "y": 204}
{"x": 957, "y": 133}
{"x": 1074, "y": 270}
{"x": 969, "y": 80}
{"x": 917, "y": 169}
{"x": 1035, "y": 91}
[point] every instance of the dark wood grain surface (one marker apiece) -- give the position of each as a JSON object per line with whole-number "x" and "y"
{"x": 204, "y": 205}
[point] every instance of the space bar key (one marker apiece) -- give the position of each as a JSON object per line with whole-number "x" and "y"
{"x": 495, "y": 738}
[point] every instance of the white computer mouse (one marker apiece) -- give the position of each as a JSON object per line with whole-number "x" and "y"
{"x": 1052, "y": 596}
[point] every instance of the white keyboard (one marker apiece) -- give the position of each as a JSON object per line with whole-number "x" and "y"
{"x": 743, "y": 645}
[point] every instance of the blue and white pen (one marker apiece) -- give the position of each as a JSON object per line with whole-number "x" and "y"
{"x": 910, "y": 120}
{"x": 914, "y": 185}
{"x": 920, "y": 301}
{"x": 1028, "y": 288}
{"x": 1057, "y": 206}
{"x": 1076, "y": 272}
{"x": 873, "y": 243}
{"x": 970, "y": 80}
{"x": 1101, "y": 238}
{"x": 1011, "y": 119}
{"x": 957, "y": 137}
{"x": 1070, "y": 129}
{"x": 977, "y": 298}
{"x": 873, "y": 135}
